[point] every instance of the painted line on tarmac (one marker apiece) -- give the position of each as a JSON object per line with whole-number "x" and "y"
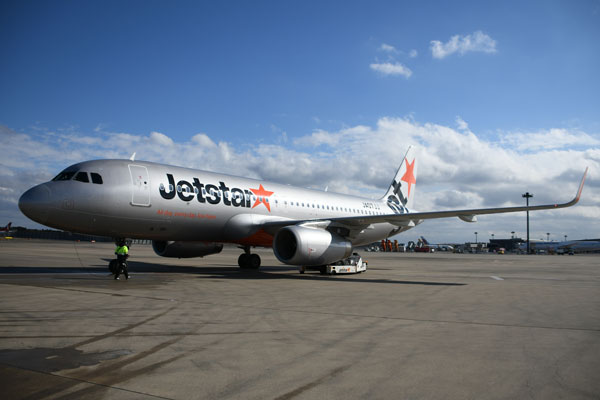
{"x": 496, "y": 278}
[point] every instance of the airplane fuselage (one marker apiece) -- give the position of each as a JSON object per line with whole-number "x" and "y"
{"x": 147, "y": 200}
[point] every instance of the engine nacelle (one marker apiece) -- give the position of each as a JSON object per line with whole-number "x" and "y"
{"x": 299, "y": 245}
{"x": 185, "y": 249}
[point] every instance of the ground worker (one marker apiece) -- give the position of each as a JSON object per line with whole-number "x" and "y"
{"x": 122, "y": 253}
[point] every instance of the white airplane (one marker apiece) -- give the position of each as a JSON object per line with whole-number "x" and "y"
{"x": 190, "y": 213}
{"x": 6, "y": 228}
{"x": 569, "y": 246}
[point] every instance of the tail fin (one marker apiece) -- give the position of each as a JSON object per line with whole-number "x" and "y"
{"x": 401, "y": 193}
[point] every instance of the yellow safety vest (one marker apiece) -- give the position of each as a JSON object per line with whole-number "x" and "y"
{"x": 122, "y": 250}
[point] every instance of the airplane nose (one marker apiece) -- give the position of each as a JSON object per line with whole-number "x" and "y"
{"x": 34, "y": 203}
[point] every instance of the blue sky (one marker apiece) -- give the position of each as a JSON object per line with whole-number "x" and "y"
{"x": 311, "y": 83}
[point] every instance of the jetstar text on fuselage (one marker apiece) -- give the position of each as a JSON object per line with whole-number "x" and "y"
{"x": 213, "y": 194}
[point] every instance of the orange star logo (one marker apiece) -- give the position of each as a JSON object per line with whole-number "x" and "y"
{"x": 261, "y": 197}
{"x": 408, "y": 176}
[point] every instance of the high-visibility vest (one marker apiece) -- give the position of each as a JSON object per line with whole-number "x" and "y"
{"x": 122, "y": 250}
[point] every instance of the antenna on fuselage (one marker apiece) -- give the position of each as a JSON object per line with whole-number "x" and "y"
{"x": 132, "y": 158}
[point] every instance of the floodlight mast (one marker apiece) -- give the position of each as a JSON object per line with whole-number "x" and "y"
{"x": 527, "y": 196}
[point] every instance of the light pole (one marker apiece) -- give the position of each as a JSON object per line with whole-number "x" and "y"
{"x": 476, "y": 244}
{"x": 527, "y": 196}
{"x": 475, "y": 237}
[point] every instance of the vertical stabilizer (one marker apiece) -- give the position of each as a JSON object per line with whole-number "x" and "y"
{"x": 401, "y": 193}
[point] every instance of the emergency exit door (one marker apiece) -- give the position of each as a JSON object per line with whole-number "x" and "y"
{"x": 140, "y": 186}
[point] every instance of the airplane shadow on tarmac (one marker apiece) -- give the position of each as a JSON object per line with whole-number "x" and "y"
{"x": 218, "y": 272}
{"x": 267, "y": 272}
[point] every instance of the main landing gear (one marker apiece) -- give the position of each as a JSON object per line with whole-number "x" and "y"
{"x": 246, "y": 260}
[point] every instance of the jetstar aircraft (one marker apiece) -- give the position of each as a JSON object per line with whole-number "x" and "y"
{"x": 190, "y": 213}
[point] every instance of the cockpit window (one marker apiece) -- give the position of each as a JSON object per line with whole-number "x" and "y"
{"x": 82, "y": 177}
{"x": 66, "y": 175}
{"x": 96, "y": 178}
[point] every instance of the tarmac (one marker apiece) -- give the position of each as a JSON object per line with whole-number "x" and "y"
{"x": 414, "y": 326}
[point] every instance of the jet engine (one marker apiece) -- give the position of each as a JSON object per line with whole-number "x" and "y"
{"x": 299, "y": 245}
{"x": 185, "y": 249}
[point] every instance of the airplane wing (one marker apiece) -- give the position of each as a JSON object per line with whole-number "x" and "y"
{"x": 357, "y": 223}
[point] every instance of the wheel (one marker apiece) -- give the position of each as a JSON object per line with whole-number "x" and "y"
{"x": 254, "y": 261}
{"x": 112, "y": 266}
{"x": 243, "y": 260}
{"x": 323, "y": 270}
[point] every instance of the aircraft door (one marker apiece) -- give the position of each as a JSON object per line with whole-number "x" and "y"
{"x": 140, "y": 186}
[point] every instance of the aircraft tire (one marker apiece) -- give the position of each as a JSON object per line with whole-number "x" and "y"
{"x": 244, "y": 260}
{"x": 254, "y": 261}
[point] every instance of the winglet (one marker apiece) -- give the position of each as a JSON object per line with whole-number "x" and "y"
{"x": 578, "y": 195}
{"x": 581, "y": 185}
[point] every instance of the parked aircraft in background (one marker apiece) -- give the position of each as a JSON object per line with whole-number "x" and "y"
{"x": 424, "y": 246}
{"x": 190, "y": 213}
{"x": 6, "y": 229}
{"x": 566, "y": 247}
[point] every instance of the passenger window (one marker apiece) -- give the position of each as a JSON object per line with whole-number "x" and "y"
{"x": 96, "y": 178}
{"x": 82, "y": 177}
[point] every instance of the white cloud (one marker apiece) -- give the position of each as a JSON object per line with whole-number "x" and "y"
{"x": 462, "y": 125}
{"x": 391, "y": 69}
{"x": 457, "y": 168}
{"x": 548, "y": 140}
{"x": 203, "y": 140}
{"x": 388, "y": 48}
{"x": 413, "y": 53}
{"x": 475, "y": 42}
{"x": 161, "y": 139}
